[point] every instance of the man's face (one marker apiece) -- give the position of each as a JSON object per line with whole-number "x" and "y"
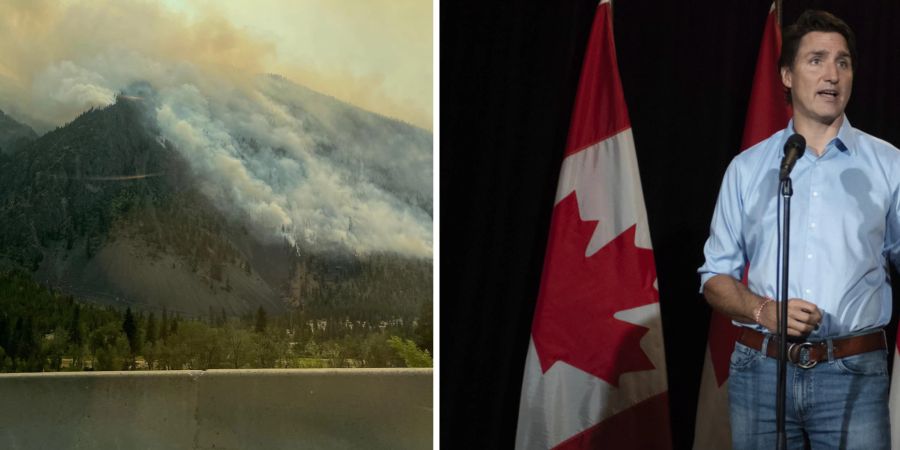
{"x": 821, "y": 77}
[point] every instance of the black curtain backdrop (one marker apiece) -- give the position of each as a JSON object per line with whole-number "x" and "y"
{"x": 508, "y": 78}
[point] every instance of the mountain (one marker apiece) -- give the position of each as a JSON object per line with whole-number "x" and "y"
{"x": 396, "y": 156}
{"x": 115, "y": 208}
{"x": 103, "y": 209}
{"x": 13, "y": 135}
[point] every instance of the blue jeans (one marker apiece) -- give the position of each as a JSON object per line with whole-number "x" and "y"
{"x": 839, "y": 403}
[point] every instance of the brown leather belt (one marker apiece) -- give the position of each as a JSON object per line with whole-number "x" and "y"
{"x": 816, "y": 351}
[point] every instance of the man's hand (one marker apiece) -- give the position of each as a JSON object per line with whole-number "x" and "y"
{"x": 803, "y": 317}
{"x": 732, "y": 298}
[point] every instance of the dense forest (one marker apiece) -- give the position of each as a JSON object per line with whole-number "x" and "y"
{"x": 42, "y": 329}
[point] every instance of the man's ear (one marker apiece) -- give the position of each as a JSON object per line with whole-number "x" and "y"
{"x": 787, "y": 77}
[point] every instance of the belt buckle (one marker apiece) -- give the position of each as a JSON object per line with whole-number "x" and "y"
{"x": 794, "y": 355}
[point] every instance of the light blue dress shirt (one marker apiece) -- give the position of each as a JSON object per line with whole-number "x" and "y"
{"x": 844, "y": 227}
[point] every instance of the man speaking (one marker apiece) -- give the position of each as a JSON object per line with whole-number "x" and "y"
{"x": 844, "y": 226}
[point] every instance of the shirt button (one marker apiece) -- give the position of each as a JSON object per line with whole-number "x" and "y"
{"x": 808, "y": 291}
{"x": 809, "y": 256}
{"x": 815, "y": 194}
{"x": 812, "y": 225}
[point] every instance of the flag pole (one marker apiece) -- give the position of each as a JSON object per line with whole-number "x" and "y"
{"x": 778, "y": 13}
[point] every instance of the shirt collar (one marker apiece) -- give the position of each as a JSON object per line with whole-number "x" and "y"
{"x": 844, "y": 136}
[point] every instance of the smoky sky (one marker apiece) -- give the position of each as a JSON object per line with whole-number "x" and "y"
{"x": 264, "y": 149}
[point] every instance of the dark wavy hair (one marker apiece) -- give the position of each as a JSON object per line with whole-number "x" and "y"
{"x": 813, "y": 20}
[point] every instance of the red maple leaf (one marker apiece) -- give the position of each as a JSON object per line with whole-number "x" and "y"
{"x": 579, "y": 294}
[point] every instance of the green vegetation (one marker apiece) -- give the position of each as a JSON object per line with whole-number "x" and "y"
{"x": 43, "y": 330}
{"x": 372, "y": 288}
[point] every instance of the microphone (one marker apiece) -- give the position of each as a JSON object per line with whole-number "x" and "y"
{"x": 793, "y": 148}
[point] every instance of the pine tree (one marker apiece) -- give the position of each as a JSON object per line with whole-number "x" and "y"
{"x": 164, "y": 326}
{"x": 422, "y": 335}
{"x": 27, "y": 346}
{"x": 4, "y": 332}
{"x": 261, "y": 320}
{"x": 130, "y": 328}
{"x": 15, "y": 336}
{"x": 150, "y": 334}
{"x": 76, "y": 328}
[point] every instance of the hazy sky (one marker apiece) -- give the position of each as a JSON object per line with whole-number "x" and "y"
{"x": 376, "y": 54}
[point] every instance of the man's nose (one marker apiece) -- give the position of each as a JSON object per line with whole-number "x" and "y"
{"x": 832, "y": 74}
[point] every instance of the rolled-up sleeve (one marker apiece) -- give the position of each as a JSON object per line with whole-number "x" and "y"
{"x": 724, "y": 250}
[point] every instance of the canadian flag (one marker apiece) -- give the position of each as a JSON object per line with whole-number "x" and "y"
{"x": 595, "y": 373}
{"x": 767, "y": 113}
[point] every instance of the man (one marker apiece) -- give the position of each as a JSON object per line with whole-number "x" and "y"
{"x": 844, "y": 225}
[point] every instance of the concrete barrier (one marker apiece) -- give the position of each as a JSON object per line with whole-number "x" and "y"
{"x": 218, "y": 409}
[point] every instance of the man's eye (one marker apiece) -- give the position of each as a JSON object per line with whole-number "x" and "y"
{"x": 815, "y": 61}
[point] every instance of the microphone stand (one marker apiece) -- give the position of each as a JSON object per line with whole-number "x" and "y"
{"x": 787, "y": 191}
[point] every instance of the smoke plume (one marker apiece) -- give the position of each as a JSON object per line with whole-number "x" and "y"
{"x": 263, "y": 148}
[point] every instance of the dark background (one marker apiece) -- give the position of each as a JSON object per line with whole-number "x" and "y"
{"x": 508, "y": 78}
